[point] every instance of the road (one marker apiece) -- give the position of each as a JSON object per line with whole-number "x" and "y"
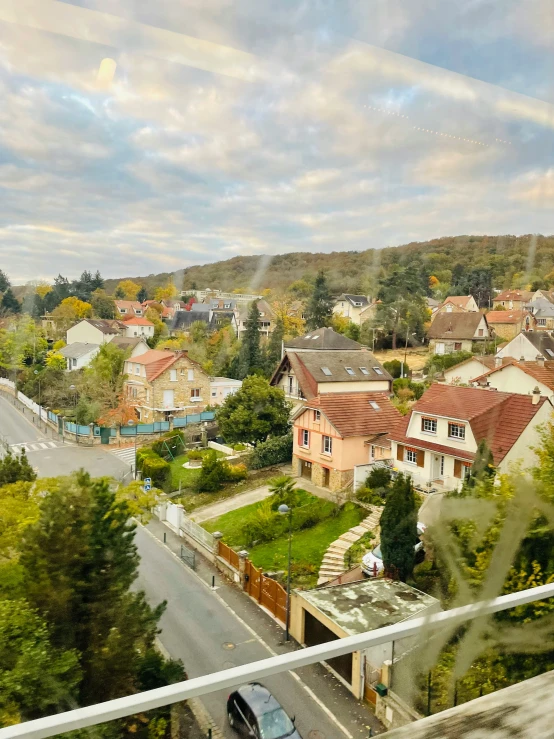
{"x": 50, "y": 456}
{"x": 202, "y": 630}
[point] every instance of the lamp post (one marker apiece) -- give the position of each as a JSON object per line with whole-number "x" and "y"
{"x": 406, "y": 350}
{"x": 284, "y": 510}
{"x": 132, "y": 423}
{"x": 39, "y": 399}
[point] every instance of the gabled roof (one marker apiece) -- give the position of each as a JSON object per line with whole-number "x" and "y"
{"x": 542, "y": 373}
{"x": 360, "y": 301}
{"x": 542, "y": 341}
{"x": 324, "y": 339}
{"x": 105, "y": 325}
{"x": 156, "y": 361}
{"x": 499, "y": 418}
{"x": 513, "y": 295}
{"x": 78, "y": 349}
{"x": 138, "y": 321}
{"x": 455, "y": 325}
{"x": 263, "y": 307}
{"x": 460, "y": 301}
{"x": 129, "y": 304}
{"x": 183, "y": 319}
{"x": 487, "y": 360}
{"x": 127, "y": 342}
{"x": 506, "y": 316}
{"x": 356, "y": 414}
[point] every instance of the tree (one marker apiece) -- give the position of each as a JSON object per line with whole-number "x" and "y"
{"x": 128, "y": 289}
{"x": 15, "y": 469}
{"x": 319, "y": 310}
{"x": 103, "y": 306}
{"x": 124, "y": 412}
{"x": 476, "y": 282}
{"x": 254, "y": 412}
{"x": 55, "y": 360}
{"x": 160, "y": 329}
{"x": 168, "y": 292}
{"x": 4, "y": 282}
{"x": 142, "y": 294}
{"x": 274, "y": 347}
{"x": 71, "y": 310}
{"x": 402, "y": 308}
{"x": 291, "y": 316}
{"x": 102, "y": 381}
{"x": 9, "y": 303}
{"x": 36, "y": 679}
{"x": 399, "y": 530}
{"x": 483, "y": 465}
{"x": 250, "y": 354}
{"x": 79, "y": 562}
{"x": 19, "y": 507}
{"x": 97, "y": 282}
{"x": 119, "y": 293}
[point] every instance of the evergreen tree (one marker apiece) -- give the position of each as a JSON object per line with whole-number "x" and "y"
{"x": 319, "y": 311}
{"x": 274, "y": 347}
{"x": 4, "y": 282}
{"x": 97, "y": 281}
{"x": 399, "y": 530}
{"x": 10, "y": 303}
{"x": 16, "y": 469}
{"x": 119, "y": 293}
{"x": 142, "y": 294}
{"x": 79, "y": 562}
{"x": 250, "y": 354}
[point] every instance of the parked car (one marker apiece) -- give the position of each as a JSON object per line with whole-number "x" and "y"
{"x": 253, "y": 712}
{"x": 372, "y": 562}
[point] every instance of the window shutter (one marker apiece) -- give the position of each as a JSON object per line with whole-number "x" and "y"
{"x": 300, "y": 437}
{"x": 399, "y": 452}
{"x": 420, "y": 458}
{"x": 457, "y": 468}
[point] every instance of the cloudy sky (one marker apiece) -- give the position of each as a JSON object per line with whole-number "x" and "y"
{"x": 140, "y": 137}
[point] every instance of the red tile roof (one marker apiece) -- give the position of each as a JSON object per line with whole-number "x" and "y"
{"x": 513, "y": 295}
{"x": 460, "y": 300}
{"x": 138, "y": 321}
{"x": 353, "y": 415}
{"x": 500, "y": 418}
{"x": 156, "y": 362}
{"x": 507, "y": 316}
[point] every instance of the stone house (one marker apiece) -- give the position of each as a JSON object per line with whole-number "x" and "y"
{"x": 509, "y": 323}
{"x": 336, "y": 431}
{"x": 164, "y": 383}
{"x": 456, "y": 332}
{"x": 459, "y": 304}
{"x": 513, "y": 299}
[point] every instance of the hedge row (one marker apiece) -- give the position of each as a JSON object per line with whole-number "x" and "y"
{"x": 270, "y": 452}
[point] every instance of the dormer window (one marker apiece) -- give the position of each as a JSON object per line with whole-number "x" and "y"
{"x": 350, "y": 370}
{"x": 378, "y": 370}
{"x": 326, "y": 371}
{"x": 364, "y": 370}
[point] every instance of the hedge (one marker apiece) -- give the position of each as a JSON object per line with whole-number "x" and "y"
{"x": 158, "y": 470}
{"x": 174, "y": 440}
{"x": 273, "y": 451}
{"x": 142, "y": 454}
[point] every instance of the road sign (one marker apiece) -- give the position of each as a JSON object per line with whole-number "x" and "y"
{"x": 147, "y": 487}
{"x": 148, "y": 480}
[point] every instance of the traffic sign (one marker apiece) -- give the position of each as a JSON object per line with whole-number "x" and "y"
{"x": 147, "y": 487}
{"x": 148, "y": 480}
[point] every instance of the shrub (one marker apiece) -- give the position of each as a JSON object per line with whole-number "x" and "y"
{"x": 379, "y": 477}
{"x": 273, "y": 451}
{"x": 158, "y": 470}
{"x": 438, "y": 362}
{"x": 213, "y": 473}
{"x": 195, "y": 454}
{"x": 394, "y": 368}
{"x": 404, "y": 383}
{"x": 142, "y": 454}
{"x": 236, "y": 472}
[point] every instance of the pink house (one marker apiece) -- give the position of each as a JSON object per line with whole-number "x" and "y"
{"x": 336, "y": 431}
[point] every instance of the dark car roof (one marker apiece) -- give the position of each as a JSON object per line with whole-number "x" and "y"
{"x": 258, "y": 698}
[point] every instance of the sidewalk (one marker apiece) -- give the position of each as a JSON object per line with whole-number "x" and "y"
{"x": 230, "y": 504}
{"x": 353, "y": 715}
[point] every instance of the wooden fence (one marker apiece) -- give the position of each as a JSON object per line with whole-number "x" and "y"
{"x": 266, "y": 591}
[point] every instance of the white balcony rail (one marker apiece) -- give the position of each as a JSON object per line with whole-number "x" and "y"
{"x": 99, "y": 713}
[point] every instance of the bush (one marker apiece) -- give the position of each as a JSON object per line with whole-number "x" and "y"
{"x": 158, "y": 470}
{"x": 142, "y": 454}
{"x": 379, "y": 477}
{"x": 273, "y": 451}
{"x": 236, "y": 472}
{"x": 394, "y": 368}
{"x": 195, "y": 454}
{"x": 404, "y": 383}
{"x": 438, "y": 362}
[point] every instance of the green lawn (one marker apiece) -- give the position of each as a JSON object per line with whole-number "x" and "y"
{"x": 191, "y": 500}
{"x": 183, "y": 474}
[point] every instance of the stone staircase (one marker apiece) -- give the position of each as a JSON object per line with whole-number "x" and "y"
{"x": 333, "y": 563}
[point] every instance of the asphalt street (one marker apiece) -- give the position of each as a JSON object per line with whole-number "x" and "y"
{"x": 203, "y": 630}
{"x": 48, "y": 454}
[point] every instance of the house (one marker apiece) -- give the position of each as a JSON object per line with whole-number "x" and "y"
{"x": 127, "y": 308}
{"x": 351, "y": 307}
{"x": 336, "y": 431}
{"x": 543, "y": 313}
{"x": 139, "y": 327}
{"x": 322, "y": 339}
{"x": 209, "y": 293}
{"x": 266, "y": 321}
{"x": 513, "y": 376}
{"x": 132, "y": 346}
{"x": 456, "y": 332}
{"x": 459, "y": 304}
{"x": 201, "y": 312}
{"x": 527, "y": 345}
{"x": 221, "y": 388}
{"x": 464, "y": 372}
{"x": 338, "y": 611}
{"x": 305, "y": 375}
{"x": 95, "y": 331}
{"x": 79, "y": 355}
{"x": 166, "y": 383}
{"x": 513, "y": 299}
{"x": 543, "y": 295}
{"x": 508, "y": 323}
{"x": 436, "y": 442}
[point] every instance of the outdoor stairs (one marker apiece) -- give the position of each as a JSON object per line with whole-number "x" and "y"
{"x": 333, "y": 563}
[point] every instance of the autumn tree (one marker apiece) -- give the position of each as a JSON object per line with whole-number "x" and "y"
{"x": 167, "y": 292}
{"x": 127, "y": 290}
{"x": 102, "y": 381}
{"x": 71, "y": 310}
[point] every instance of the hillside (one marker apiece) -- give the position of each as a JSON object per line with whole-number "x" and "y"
{"x": 528, "y": 258}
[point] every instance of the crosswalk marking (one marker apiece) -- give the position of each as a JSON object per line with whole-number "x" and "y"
{"x": 35, "y": 446}
{"x": 126, "y": 455}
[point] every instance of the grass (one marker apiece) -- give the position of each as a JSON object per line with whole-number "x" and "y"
{"x": 191, "y": 501}
{"x": 416, "y": 358}
{"x": 186, "y": 476}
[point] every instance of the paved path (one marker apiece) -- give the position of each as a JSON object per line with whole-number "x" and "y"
{"x": 213, "y": 630}
{"x": 230, "y": 504}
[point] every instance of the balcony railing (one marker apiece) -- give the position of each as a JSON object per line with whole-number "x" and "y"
{"x": 81, "y": 718}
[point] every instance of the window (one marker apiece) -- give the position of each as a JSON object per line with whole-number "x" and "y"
{"x": 374, "y": 405}
{"x": 350, "y": 370}
{"x": 481, "y": 332}
{"x": 190, "y": 374}
{"x": 456, "y": 431}
{"x": 291, "y": 385}
{"x": 457, "y": 346}
{"x": 466, "y": 470}
{"x": 74, "y": 362}
{"x": 541, "y": 321}
{"x": 327, "y": 445}
{"x": 181, "y": 371}
{"x": 326, "y": 371}
{"x": 173, "y": 375}
{"x": 378, "y": 370}
{"x": 357, "y": 304}
{"x": 137, "y": 369}
{"x": 550, "y": 353}
{"x": 195, "y": 392}
{"x": 411, "y": 456}
{"x": 305, "y": 439}
{"x": 449, "y": 308}
{"x": 317, "y": 415}
{"x": 429, "y": 425}
{"x": 214, "y": 393}
{"x": 364, "y": 370}
{"x": 372, "y": 452}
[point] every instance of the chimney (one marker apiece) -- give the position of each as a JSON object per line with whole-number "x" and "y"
{"x": 536, "y": 395}
{"x": 498, "y": 361}
{"x": 540, "y": 360}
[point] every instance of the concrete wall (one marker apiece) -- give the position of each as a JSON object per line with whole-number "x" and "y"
{"x": 512, "y": 379}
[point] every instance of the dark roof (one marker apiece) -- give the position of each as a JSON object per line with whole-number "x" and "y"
{"x": 183, "y": 319}
{"x": 355, "y": 414}
{"x": 127, "y": 342}
{"x": 106, "y": 326}
{"x": 455, "y": 325}
{"x": 323, "y": 338}
{"x": 78, "y": 349}
{"x": 336, "y": 363}
{"x": 498, "y": 417}
{"x": 541, "y": 340}
{"x": 355, "y": 299}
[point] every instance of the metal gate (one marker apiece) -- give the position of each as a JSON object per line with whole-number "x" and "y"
{"x": 188, "y": 556}
{"x": 105, "y": 434}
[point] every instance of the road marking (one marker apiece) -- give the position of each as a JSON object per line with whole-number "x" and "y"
{"x": 35, "y": 446}
{"x": 256, "y": 636}
{"x": 126, "y": 455}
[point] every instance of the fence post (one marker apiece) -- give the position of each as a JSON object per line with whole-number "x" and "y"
{"x": 217, "y": 535}
{"x": 243, "y": 555}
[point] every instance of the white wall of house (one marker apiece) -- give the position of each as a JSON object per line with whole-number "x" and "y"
{"x": 463, "y": 373}
{"x": 139, "y": 349}
{"x": 512, "y": 379}
{"x": 221, "y": 388}
{"x": 441, "y": 437}
{"x": 519, "y": 347}
{"x": 437, "y": 469}
{"x": 375, "y": 386}
{"x": 76, "y": 363}
{"x": 347, "y": 310}
{"x": 86, "y": 333}
{"x": 133, "y": 331}
{"x": 522, "y": 451}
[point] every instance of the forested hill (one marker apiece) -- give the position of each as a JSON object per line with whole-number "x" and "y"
{"x": 513, "y": 261}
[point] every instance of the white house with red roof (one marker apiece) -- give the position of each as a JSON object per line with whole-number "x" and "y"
{"x": 127, "y": 308}
{"x": 139, "y": 326}
{"x": 436, "y": 443}
{"x": 513, "y": 376}
{"x": 334, "y": 432}
{"x": 459, "y": 304}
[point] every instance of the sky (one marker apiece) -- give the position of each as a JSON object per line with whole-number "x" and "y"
{"x": 140, "y": 137}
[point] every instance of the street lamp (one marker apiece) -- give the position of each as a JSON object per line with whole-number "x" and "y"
{"x": 39, "y": 398}
{"x": 285, "y": 510}
{"x": 132, "y": 423}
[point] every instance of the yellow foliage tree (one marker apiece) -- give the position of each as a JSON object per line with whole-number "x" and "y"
{"x": 43, "y": 288}
{"x": 128, "y": 289}
{"x": 433, "y": 282}
{"x": 71, "y": 310}
{"x": 55, "y": 360}
{"x": 166, "y": 293}
{"x": 58, "y": 345}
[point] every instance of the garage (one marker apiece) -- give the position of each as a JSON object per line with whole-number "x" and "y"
{"x": 316, "y": 632}
{"x": 306, "y": 469}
